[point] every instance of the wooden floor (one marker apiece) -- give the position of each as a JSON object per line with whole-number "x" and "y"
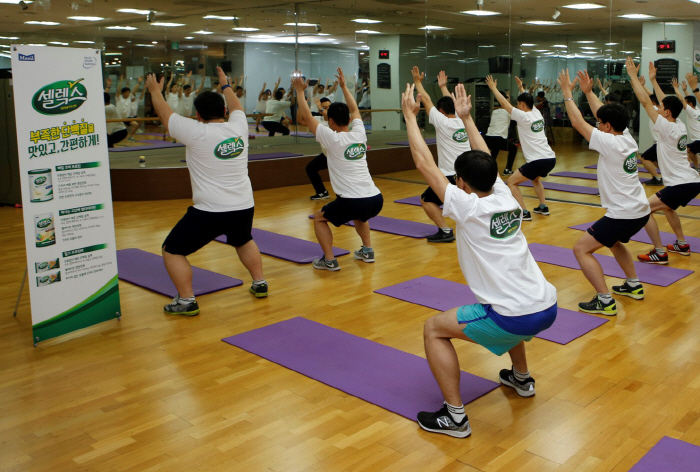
{"x": 152, "y": 392}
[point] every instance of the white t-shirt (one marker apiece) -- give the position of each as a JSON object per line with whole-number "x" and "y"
{"x": 173, "y": 100}
{"x": 693, "y": 123}
{"x": 217, "y": 157}
{"x": 671, "y": 140}
{"x": 111, "y": 113}
{"x": 124, "y": 106}
{"x": 347, "y": 161}
{"x": 366, "y": 101}
{"x": 277, "y": 108}
{"x": 621, "y": 192}
{"x": 319, "y": 96}
{"x": 134, "y": 106}
{"x": 261, "y": 106}
{"x": 532, "y": 137}
{"x": 493, "y": 252}
{"x": 500, "y": 121}
{"x": 451, "y": 140}
{"x": 322, "y": 122}
{"x": 185, "y": 105}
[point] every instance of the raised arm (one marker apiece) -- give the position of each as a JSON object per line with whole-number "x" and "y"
{"x": 639, "y": 91}
{"x": 349, "y": 97}
{"x": 108, "y": 84}
{"x": 643, "y": 81}
{"x": 676, "y": 89}
{"x": 159, "y": 104}
{"x": 574, "y": 114}
{"x": 303, "y": 109}
{"x": 418, "y": 77}
{"x": 232, "y": 102}
{"x": 120, "y": 84}
{"x": 693, "y": 83}
{"x": 277, "y": 86}
{"x": 180, "y": 83}
{"x": 136, "y": 88}
{"x": 442, "y": 83}
{"x": 586, "y": 84}
{"x": 660, "y": 95}
{"x": 519, "y": 83}
{"x": 493, "y": 85}
{"x": 170, "y": 82}
{"x": 201, "y": 85}
{"x": 262, "y": 91}
{"x": 600, "y": 86}
{"x": 463, "y": 108}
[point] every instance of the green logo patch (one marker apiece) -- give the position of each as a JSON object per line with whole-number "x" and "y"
{"x": 460, "y": 136}
{"x": 682, "y": 143}
{"x": 41, "y": 224}
{"x": 40, "y": 180}
{"x": 537, "y": 126}
{"x": 232, "y": 147}
{"x": 355, "y": 152}
{"x": 60, "y": 97}
{"x": 505, "y": 224}
{"x": 630, "y": 164}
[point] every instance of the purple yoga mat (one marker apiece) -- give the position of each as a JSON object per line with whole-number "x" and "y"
{"x": 158, "y": 145}
{"x": 442, "y": 295}
{"x": 400, "y": 227}
{"x": 148, "y": 271}
{"x": 641, "y": 169}
{"x": 648, "y": 273}
{"x": 405, "y": 143}
{"x": 564, "y": 187}
{"x": 288, "y": 248}
{"x": 410, "y": 201}
{"x": 643, "y": 237}
{"x": 586, "y": 176}
{"x": 670, "y": 455}
{"x": 268, "y": 155}
{"x": 394, "y": 380}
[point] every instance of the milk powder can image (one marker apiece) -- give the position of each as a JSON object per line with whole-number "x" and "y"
{"x": 48, "y": 279}
{"x": 44, "y": 230}
{"x": 40, "y": 185}
{"x": 47, "y": 265}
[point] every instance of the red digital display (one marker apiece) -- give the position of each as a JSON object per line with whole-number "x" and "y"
{"x": 665, "y": 46}
{"x": 384, "y": 54}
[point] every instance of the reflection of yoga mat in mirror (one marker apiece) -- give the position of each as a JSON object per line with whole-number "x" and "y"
{"x": 148, "y": 271}
{"x": 153, "y": 144}
{"x": 670, "y": 455}
{"x": 399, "y": 227}
{"x": 411, "y": 201}
{"x": 288, "y": 248}
{"x": 443, "y": 295}
{"x": 406, "y": 143}
{"x": 643, "y": 237}
{"x": 662, "y": 276}
{"x": 391, "y": 379}
{"x": 586, "y": 176}
{"x": 564, "y": 187}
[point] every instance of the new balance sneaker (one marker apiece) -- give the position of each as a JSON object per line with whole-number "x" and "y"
{"x": 260, "y": 291}
{"x": 524, "y": 389}
{"x": 655, "y": 181}
{"x": 507, "y": 172}
{"x": 181, "y": 309}
{"x": 541, "y": 210}
{"x": 527, "y": 216}
{"x": 596, "y": 306}
{"x": 633, "y": 292}
{"x": 442, "y": 236}
{"x": 653, "y": 257}
{"x": 325, "y": 264}
{"x": 321, "y": 196}
{"x": 683, "y": 250}
{"x": 441, "y": 422}
{"x": 364, "y": 254}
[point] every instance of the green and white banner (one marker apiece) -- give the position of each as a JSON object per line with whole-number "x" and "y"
{"x": 66, "y": 191}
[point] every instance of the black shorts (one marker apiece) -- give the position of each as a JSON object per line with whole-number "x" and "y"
{"x": 198, "y": 228}
{"x": 608, "y": 231}
{"x": 341, "y": 210}
{"x": 650, "y": 154}
{"x": 694, "y": 147}
{"x": 538, "y": 168}
{"x": 430, "y": 196}
{"x": 678, "y": 195}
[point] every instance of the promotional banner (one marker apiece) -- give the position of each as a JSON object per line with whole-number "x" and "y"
{"x": 66, "y": 191}
{"x": 696, "y": 63}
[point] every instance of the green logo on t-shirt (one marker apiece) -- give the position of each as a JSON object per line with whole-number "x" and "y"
{"x": 460, "y": 136}
{"x": 505, "y": 224}
{"x": 232, "y": 147}
{"x": 355, "y": 152}
{"x": 682, "y": 143}
{"x": 630, "y": 164}
{"x": 537, "y": 126}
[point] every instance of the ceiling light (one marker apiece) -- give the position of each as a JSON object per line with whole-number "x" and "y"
{"x": 113, "y": 54}
{"x": 245, "y": 28}
{"x": 202, "y": 32}
{"x": 84, "y": 42}
{"x": 368, "y": 32}
{"x": 636, "y": 16}
{"x": 86, "y": 18}
{"x": 584, "y": 6}
{"x": 584, "y": 42}
{"x": 9, "y": 37}
{"x": 58, "y": 43}
{"x": 588, "y": 47}
{"x": 560, "y": 46}
{"x": 611, "y": 44}
{"x": 540, "y": 50}
{"x": 217, "y": 17}
{"x": 145, "y": 45}
{"x": 133, "y": 10}
{"x": 609, "y": 50}
{"x": 528, "y": 45}
{"x": 480, "y": 12}
{"x": 44, "y": 23}
{"x": 369, "y": 22}
{"x": 262, "y": 36}
{"x": 300, "y": 24}
{"x": 36, "y": 44}
{"x": 673, "y": 23}
{"x": 434, "y": 28}
{"x": 15, "y": 2}
{"x": 487, "y": 46}
{"x": 5, "y": 46}
{"x": 588, "y": 52}
{"x": 544, "y": 22}
{"x": 125, "y": 28}
{"x": 168, "y": 24}
{"x": 323, "y": 34}
{"x": 189, "y": 37}
{"x": 628, "y": 52}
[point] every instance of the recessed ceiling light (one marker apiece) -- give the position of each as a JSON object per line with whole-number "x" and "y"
{"x": 217, "y": 17}
{"x": 58, "y": 43}
{"x": 245, "y": 28}
{"x": 584, "y": 42}
{"x": 84, "y": 42}
{"x": 113, "y": 54}
{"x": 202, "y": 32}
{"x": 36, "y": 44}
{"x": 5, "y": 46}
{"x": 540, "y": 50}
{"x": 9, "y": 37}
{"x": 674, "y": 23}
{"x": 480, "y": 12}
{"x": 588, "y": 47}
{"x": 86, "y": 18}
{"x": 611, "y": 44}
{"x": 300, "y": 24}
{"x": 44, "y": 23}
{"x": 323, "y": 34}
{"x": 544, "y": 22}
{"x": 636, "y": 16}
{"x": 133, "y": 10}
{"x": 167, "y": 24}
{"x": 560, "y": 46}
{"x": 487, "y": 46}
{"x": 145, "y": 45}
{"x": 609, "y": 50}
{"x": 262, "y": 36}
{"x": 527, "y": 45}
{"x": 588, "y": 52}
{"x": 584, "y": 6}
{"x": 189, "y": 37}
{"x": 14, "y": 1}
{"x": 628, "y": 52}
{"x": 368, "y": 21}
{"x": 434, "y": 28}
{"x": 154, "y": 42}
{"x": 125, "y": 28}
{"x": 368, "y": 32}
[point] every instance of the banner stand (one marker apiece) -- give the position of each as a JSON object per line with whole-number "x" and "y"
{"x": 21, "y": 289}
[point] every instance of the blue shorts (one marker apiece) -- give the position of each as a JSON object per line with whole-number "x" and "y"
{"x": 481, "y": 326}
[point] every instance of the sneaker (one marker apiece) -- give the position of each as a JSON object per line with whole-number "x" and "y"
{"x": 683, "y": 250}
{"x": 507, "y": 172}
{"x": 653, "y": 257}
{"x": 324, "y": 264}
{"x": 633, "y": 292}
{"x": 177, "y": 308}
{"x": 597, "y": 306}
{"x": 132, "y": 140}
{"x": 541, "y": 210}
{"x": 260, "y": 291}
{"x": 524, "y": 389}
{"x": 441, "y": 422}
{"x": 364, "y": 254}
{"x": 321, "y": 196}
{"x": 527, "y": 216}
{"x": 655, "y": 181}
{"x": 442, "y": 237}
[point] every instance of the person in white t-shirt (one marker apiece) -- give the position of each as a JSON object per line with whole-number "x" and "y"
{"x": 357, "y": 198}
{"x": 125, "y": 100}
{"x": 621, "y": 194}
{"x": 217, "y": 158}
{"x": 185, "y": 106}
{"x": 539, "y": 157}
{"x": 173, "y": 92}
{"x": 116, "y": 131}
{"x": 515, "y": 301}
{"x": 278, "y": 122}
{"x": 693, "y": 121}
{"x": 452, "y": 141}
{"x": 682, "y": 183}
{"x": 319, "y": 162}
{"x": 496, "y": 136}
{"x": 263, "y": 97}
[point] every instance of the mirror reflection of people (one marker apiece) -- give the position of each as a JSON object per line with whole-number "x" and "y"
{"x": 319, "y": 162}
{"x": 496, "y": 136}
{"x": 124, "y": 103}
{"x": 278, "y": 122}
{"x": 116, "y": 131}
{"x": 261, "y": 106}
{"x": 185, "y": 105}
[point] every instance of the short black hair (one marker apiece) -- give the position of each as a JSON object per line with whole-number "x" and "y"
{"x": 612, "y": 98}
{"x": 186, "y": 87}
{"x": 126, "y": 89}
{"x": 279, "y": 94}
{"x": 653, "y": 99}
{"x": 615, "y": 114}
{"x": 239, "y": 87}
{"x": 215, "y": 82}
{"x": 690, "y": 100}
{"x": 108, "y": 99}
{"x": 478, "y": 169}
{"x": 447, "y": 105}
{"x": 673, "y": 103}
{"x": 210, "y": 105}
{"x": 527, "y": 99}
{"x": 325, "y": 99}
{"x": 540, "y": 94}
{"x": 340, "y": 113}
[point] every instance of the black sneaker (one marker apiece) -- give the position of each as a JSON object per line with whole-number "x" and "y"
{"x": 441, "y": 422}
{"x": 507, "y": 172}
{"x": 325, "y": 264}
{"x": 260, "y": 291}
{"x": 598, "y": 307}
{"x": 442, "y": 236}
{"x": 321, "y": 196}
{"x": 655, "y": 181}
{"x": 527, "y": 216}
{"x": 177, "y": 308}
{"x": 524, "y": 389}
{"x": 632, "y": 292}
{"x": 541, "y": 210}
